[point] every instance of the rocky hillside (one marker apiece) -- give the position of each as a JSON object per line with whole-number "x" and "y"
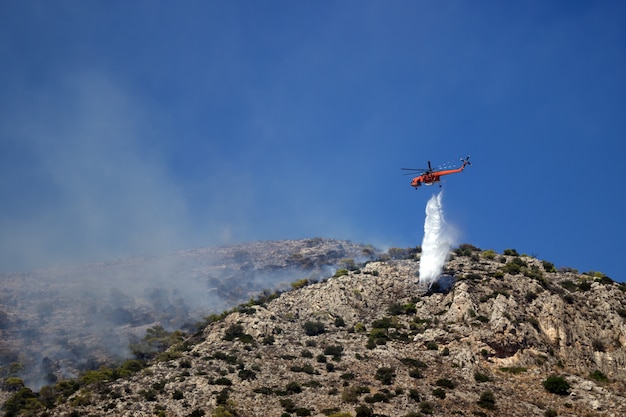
{"x": 497, "y": 335}
{"x": 57, "y": 323}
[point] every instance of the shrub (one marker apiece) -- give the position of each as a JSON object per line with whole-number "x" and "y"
{"x": 598, "y": 345}
{"x": 556, "y": 385}
{"x": 481, "y": 377}
{"x": 364, "y": 411}
{"x": 339, "y": 322}
{"x": 223, "y": 381}
{"x": 314, "y": 328}
{"x": 288, "y": 405}
{"x": 246, "y": 374}
{"x": 598, "y": 376}
{"x": 379, "y": 397}
{"x": 263, "y": 390}
{"x": 234, "y": 331}
{"x": 350, "y": 395}
{"x": 432, "y": 345}
{"x": 514, "y": 370}
{"x": 340, "y": 272}
{"x": 426, "y": 407}
{"x": 511, "y": 268}
{"x": 385, "y": 375}
{"x": 439, "y": 393}
{"x": 530, "y": 296}
{"x": 510, "y": 252}
{"x": 487, "y": 400}
{"x": 548, "y": 266}
{"x": 445, "y": 383}
{"x": 488, "y": 254}
{"x": 293, "y": 387}
{"x": 550, "y": 413}
{"x": 301, "y": 283}
{"x": 334, "y": 351}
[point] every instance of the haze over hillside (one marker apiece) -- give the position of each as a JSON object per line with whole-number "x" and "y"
{"x": 503, "y": 334}
{"x": 56, "y": 323}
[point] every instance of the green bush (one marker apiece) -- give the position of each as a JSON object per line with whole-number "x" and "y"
{"x": 487, "y": 400}
{"x": 314, "y": 328}
{"x": 233, "y": 331}
{"x": 548, "y": 266}
{"x": 510, "y": 252}
{"x": 556, "y": 385}
{"x": 598, "y": 376}
{"x": 432, "y": 345}
{"x": 385, "y": 375}
{"x": 439, "y": 393}
{"x": 445, "y": 383}
{"x": 514, "y": 370}
{"x": 334, "y": 351}
{"x": 293, "y": 387}
{"x": 481, "y": 377}
{"x": 426, "y": 407}
{"x": 288, "y": 405}
{"x": 340, "y": 272}
{"x": 414, "y": 395}
{"x": 364, "y": 411}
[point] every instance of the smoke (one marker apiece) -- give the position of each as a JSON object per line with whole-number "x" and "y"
{"x": 438, "y": 239}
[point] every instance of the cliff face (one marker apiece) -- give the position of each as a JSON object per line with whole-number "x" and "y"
{"x": 498, "y": 335}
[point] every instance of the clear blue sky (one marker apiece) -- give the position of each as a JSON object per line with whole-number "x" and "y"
{"x": 148, "y": 126}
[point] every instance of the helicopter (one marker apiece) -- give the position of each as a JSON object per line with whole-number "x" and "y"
{"x": 430, "y": 176}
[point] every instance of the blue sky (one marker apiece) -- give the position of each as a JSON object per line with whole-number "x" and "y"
{"x": 147, "y": 126}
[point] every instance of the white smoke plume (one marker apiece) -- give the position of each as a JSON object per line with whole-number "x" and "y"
{"x": 438, "y": 240}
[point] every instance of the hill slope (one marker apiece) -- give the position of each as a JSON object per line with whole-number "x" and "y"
{"x": 508, "y": 337}
{"x": 56, "y": 323}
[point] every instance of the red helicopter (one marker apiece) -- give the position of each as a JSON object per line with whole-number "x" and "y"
{"x": 430, "y": 176}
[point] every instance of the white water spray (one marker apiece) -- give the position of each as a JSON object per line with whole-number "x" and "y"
{"x": 438, "y": 240}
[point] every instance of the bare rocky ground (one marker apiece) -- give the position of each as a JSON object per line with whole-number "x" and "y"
{"x": 498, "y": 335}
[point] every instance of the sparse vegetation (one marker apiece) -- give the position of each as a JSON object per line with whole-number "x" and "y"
{"x": 307, "y": 352}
